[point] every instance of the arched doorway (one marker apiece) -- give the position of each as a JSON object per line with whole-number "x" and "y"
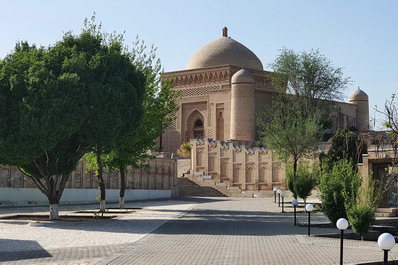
{"x": 194, "y": 126}
{"x": 198, "y": 128}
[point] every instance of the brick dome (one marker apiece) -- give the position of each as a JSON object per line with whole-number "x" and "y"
{"x": 242, "y": 76}
{"x": 224, "y": 51}
{"x": 358, "y": 95}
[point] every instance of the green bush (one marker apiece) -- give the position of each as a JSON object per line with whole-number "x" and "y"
{"x": 361, "y": 206}
{"x": 361, "y": 217}
{"x": 306, "y": 180}
{"x": 341, "y": 178}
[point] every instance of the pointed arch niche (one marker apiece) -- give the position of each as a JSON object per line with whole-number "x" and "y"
{"x": 195, "y": 126}
{"x": 220, "y": 126}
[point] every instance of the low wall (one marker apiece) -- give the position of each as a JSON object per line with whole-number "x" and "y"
{"x": 32, "y": 196}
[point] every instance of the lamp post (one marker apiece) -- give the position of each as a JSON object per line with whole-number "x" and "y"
{"x": 279, "y": 197}
{"x": 342, "y": 224}
{"x": 386, "y": 242}
{"x": 295, "y": 203}
{"x": 283, "y": 201}
{"x": 274, "y": 189}
{"x": 309, "y": 207}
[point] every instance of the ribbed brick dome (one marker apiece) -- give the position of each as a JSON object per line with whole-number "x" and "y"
{"x": 224, "y": 51}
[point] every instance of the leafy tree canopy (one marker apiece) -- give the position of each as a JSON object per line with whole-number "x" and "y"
{"x": 286, "y": 130}
{"x": 312, "y": 79}
{"x": 59, "y": 102}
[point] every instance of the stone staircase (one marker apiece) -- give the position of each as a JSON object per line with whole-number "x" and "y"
{"x": 387, "y": 212}
{"x": 188, "y": 187}
{"x": 224, "y": 188}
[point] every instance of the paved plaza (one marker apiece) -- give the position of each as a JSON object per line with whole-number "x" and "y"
{"x": 184, "y": 231}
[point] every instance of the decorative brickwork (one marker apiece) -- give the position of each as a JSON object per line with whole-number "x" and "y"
{"x": 198, "y": 91}
{"x": 238, "y": 165}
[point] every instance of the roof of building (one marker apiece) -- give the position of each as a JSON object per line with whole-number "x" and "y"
{"x": 358, "y": 95}
{"x": 242, "y": 76}
{"x": 224, "y": 51}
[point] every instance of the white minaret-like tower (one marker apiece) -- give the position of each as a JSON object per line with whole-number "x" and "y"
{"x": 243, "y": 121}
{"x": 361, "y": 99}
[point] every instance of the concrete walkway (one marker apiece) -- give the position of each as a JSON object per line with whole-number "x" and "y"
{"x": 188, "y": 231}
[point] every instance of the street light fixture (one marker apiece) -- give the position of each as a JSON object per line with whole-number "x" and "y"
{"x": 283, "y": 201}
{"x": 274, "y": 189}
{"x": 342, "y": 224}
{"x": 295, "y": 203}
{"x": 309, "y": 207}
{"x": 279, "y": 198}
{"x": 386, "y": 242}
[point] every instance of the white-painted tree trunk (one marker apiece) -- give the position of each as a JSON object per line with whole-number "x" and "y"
{"x": 121, "y": 202}
{"x": 54, "y": 211}
{"x": 102, "y": 206}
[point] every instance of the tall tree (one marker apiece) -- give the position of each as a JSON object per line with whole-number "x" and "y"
{"x": 115, "y": 96}
{"x": 312, "y": 79}
{"x": 159, "y": 105}
{"x": 292, "y": 134}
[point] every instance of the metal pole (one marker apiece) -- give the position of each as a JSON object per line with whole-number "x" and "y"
{"x": 283, "y": 199}
{"x": 385, "y": 257}
{"x": 279, "y": 200}
{"x": 295, "y": 220}
{"x": 341, "y": 246}
{"x": 309, "y": 223}
{"x": 274, "y": 196}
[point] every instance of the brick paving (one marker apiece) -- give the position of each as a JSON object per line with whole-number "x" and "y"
{"x": 243, "y": 231}
{"x": 198, "y": 231}
{"x": 85, "y": 242}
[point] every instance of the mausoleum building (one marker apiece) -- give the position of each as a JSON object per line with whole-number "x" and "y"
{"x": 224, "y": 87}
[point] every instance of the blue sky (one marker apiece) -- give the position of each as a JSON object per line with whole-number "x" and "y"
{"x": 359, "y": 36}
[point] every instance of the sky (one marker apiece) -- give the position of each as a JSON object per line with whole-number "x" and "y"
{"x": 360, "y": 36}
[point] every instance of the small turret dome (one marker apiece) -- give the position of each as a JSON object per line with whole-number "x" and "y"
{"x": 242, "y": 76}
{"x": 358, "y": 95}
{"x": 224, "y": 51}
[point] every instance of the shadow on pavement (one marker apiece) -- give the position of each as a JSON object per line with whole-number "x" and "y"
{"x": 39, "y": 252}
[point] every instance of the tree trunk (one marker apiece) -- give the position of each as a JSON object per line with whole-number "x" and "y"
{"x": 294, "y": 177}
{"x": 121, "y": 202}
{"x": 52, "y": 187}
{"x": 122, "y": 173}
{"x": 54, "y": 212}
{"x": 102, "y": 206}
{"x": 101, "y": 183}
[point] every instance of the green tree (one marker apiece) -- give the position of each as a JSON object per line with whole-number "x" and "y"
{"x": 159, "y": 107}
{"x": 56, "y": 104}
{"x": 115, "y": 95}
{"x": 312, "y": 79}
{"x": 292, "y": 134}
{"x": 41, "y": 111}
